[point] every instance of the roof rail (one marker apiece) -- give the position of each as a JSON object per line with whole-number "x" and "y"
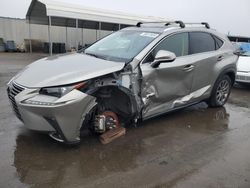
{"x": 202, "y": 23}
{"x": 181, "y": 24}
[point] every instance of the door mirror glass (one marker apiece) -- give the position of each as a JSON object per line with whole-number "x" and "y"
{"x": 163, "y": 56}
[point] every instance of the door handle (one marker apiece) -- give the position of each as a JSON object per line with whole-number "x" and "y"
{"x": 220, "y": 58}
{"x": 188, "y": 68}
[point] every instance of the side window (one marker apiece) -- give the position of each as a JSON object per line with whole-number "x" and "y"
{"x": 177, "y": 43}
{"x": 218, "y": 42}
{"x": 201, "y": 42}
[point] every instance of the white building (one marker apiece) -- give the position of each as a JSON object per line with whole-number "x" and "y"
{"x": 50, "y": 21}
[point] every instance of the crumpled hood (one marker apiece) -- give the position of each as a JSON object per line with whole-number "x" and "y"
{"x": 65, "y": 69}
{"x": 243, "y": 64}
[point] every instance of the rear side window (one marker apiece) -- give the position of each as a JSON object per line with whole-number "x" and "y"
{"x": 218, "y": 42}
{"x": 201, "y": 42}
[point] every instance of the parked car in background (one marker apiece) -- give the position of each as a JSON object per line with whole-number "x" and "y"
{"x": 243, "y": 68}
{"x": 131, "y": 75}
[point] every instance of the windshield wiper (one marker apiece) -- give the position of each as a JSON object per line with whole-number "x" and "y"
{"x": 94, "y": 55}
{"x": 97, "y": 56}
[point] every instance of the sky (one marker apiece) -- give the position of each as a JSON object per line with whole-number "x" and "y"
{"x": 226, "y": 16}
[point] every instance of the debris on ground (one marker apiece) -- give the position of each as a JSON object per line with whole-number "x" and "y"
{"x": 112, "y": 134}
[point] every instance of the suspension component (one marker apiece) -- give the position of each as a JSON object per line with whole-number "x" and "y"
{"x": 100, "y": 124}
{"x": 107, "y": 120}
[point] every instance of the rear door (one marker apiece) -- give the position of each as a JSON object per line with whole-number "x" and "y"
{"x": 164, "y": 86}
{"x": 203, "y": 50}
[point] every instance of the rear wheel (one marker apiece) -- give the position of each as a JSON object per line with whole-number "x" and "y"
{"x": 221, "y": 91}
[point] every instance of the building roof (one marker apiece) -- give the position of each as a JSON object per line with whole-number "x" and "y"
{"x": 64, "y": 14}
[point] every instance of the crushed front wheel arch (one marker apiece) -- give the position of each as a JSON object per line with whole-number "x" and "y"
{"x": 114, "y": 99}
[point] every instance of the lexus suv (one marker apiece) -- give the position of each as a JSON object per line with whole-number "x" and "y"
{"x": 131, "y": 75}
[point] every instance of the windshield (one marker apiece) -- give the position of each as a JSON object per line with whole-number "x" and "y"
{"x": 121, "y": 46}
{"x": 245, "y": 54}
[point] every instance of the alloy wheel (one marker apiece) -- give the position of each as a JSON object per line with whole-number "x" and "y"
{"x": 222, "y": 92}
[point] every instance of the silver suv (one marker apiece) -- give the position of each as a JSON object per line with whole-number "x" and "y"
{"x": 133, "y": 74}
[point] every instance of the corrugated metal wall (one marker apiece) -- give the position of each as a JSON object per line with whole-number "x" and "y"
{"x": 18, "y": 30}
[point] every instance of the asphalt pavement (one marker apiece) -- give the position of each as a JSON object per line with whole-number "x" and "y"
{"x": 195, "y": 147}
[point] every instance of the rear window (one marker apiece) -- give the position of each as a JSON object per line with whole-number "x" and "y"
{"x": 201, "y": 42}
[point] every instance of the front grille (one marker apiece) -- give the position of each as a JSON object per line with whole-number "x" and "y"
{"x": 13, "y": 90}
{"x": 243, "y": 78}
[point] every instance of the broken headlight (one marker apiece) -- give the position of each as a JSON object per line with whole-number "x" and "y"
{"x": 60, "y": 91}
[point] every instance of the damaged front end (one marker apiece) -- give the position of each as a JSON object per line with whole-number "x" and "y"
{"x": 100, "y": 104}
{"x": 60, "y": 117}
{"x": 117, "y": 101}
{"x": 110, "y": 96}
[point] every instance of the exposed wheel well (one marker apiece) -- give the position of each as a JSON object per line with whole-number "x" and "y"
{"x": 116, "y": 100}
{"x": 231, "y": 75}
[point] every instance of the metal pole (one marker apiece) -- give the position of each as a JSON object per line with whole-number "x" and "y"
{"x": 119, "y": 27}
{"x": 100, "y": 27}
{"x": 82, "y": 36}
{"x": 66, "y": 38}
{"x": 76, "y": 34}
{"x": 50, "y": 42}
{"x": 30, "y": 37}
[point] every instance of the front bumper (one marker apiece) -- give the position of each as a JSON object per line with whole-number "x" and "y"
{"x": 243, "y": 77}
{"x": 63, "y": 116}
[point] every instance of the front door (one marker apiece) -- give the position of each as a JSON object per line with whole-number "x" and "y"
{"x": 167, "y": 86}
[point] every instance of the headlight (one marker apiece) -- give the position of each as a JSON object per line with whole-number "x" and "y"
{"x": 60, "y": 91}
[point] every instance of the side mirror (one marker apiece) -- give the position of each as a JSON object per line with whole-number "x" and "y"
{"x": 163, "y": 56}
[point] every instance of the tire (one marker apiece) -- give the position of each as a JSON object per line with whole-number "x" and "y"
{"x": 220, "y": 92}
